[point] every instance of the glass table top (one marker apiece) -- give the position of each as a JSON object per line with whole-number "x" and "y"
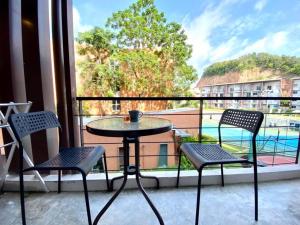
{"x": 117, "y": 125}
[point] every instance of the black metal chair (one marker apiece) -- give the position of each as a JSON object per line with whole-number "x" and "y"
{"x": 202, "y": 155}
{"x": 81, "y": 159}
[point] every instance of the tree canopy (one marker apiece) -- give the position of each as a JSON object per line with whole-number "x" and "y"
{"x": 138, "y": 54}
{"x": 97, "y": 78}
{"x": 285, "y": 64}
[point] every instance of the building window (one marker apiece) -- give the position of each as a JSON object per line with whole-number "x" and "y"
{"x": 258, "y": 88}
{"x": 269, "y": 87}
{"x": 116, "y": 105}
{"x": 295, "y": 92}
{"x": 121, "y": 157}
{"x": 163, "y": 155}
{"x": 254, "y": 94}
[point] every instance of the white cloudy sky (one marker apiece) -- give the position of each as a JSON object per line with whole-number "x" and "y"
{"x": 217, "y": 29}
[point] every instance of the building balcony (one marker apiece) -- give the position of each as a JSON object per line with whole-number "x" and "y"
{"x": 279, "y": 174}
{"x": 38, "y": 43}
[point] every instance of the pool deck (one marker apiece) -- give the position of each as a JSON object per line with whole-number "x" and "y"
{"x": 276, "y": 160}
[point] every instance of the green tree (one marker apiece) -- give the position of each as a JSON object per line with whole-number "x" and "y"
{"x": 150, "y": 49}
{"x": 96, "y": 75}
{"x": 138, "y": 53}
{"x": 95, "y": 44}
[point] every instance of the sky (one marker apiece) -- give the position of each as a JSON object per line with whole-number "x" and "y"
{"x": 218, "y": 30}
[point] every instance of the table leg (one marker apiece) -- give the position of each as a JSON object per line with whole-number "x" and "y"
{"x": 126, "y": 164}
{"x": 140, "y": 187}
{"x": 128, "y": 171}
{"x": 111, "y": 185}
{"x": 109, "y": 202}
{"x": 150, "y": 177}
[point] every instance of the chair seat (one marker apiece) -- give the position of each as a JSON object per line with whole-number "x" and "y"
{"x": 205, "y": 154}
{"x": 83, "y": 158}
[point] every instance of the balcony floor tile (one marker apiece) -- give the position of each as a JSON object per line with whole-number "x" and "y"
{"x": 279, "y": 203}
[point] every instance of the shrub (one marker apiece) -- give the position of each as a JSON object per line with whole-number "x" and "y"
{"x": 185, "y": 163}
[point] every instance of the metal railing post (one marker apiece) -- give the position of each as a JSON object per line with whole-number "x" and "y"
{"x": 298, "y": 150}
{"x": 200, "y": 120}
{"x": 265, "y": 126}
{"x": 81, "y": 123}
{"x": 275, "y": 147}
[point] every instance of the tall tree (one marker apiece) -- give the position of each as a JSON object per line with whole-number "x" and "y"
{"x": 96, "y": 76}
{"x": 151, "y": 49}
{"x": 148, "y": 58}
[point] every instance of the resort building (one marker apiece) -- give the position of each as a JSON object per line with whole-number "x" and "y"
{"x": 296, "y": 93}
{"x": 260, "y": 88}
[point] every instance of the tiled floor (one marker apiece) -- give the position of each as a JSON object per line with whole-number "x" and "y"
{"x": 279, "y": 204}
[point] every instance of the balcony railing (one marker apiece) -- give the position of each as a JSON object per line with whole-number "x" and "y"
{"x": 278, "y": 140}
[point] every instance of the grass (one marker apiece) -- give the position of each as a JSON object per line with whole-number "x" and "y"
{"x": 235, "y": 150}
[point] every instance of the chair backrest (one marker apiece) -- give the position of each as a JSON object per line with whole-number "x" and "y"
{"x": 24, "y": 124}
{"x": 248, "y": 120}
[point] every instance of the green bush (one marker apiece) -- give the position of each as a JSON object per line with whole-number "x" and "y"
{"x": 185, "y": 163}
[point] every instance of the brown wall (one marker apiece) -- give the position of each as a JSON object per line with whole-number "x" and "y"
{"x": 189, "y": 122}
{"x": 286, "y": 87}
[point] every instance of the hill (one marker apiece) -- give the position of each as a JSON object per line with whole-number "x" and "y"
{"x": 254, "y": 61}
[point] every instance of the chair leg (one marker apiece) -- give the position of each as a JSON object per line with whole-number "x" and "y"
{"x": 111, "y": 186}
{"x": 106, "y": 173}
{"x": 178, "y": 172}
{"x": 198, "y": 196}
{"x": 222, "y": 174}
{"x": 255, "y": 192}
{"x": 22, "y": 197}
{"x": 59, "y": 182}
{"x": 86, "y": 195}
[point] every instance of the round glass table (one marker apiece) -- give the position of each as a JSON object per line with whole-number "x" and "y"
{"x": 117, "y": 127}
{"x": 130, "y": 131}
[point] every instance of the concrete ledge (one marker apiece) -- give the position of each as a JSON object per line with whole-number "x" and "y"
{"x": 96, "y": 182}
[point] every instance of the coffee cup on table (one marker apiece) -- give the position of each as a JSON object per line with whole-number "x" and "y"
{"x": 135, "y": 115}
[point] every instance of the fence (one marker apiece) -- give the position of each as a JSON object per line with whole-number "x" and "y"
{"x": 278, "y": 140}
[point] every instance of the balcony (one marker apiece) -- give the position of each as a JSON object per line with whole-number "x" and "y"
{"x": 38, "y": 42}
{"x": 277, "y": 140}
{"x": 278, "y": 204}
{"x": 278, "y": 153}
